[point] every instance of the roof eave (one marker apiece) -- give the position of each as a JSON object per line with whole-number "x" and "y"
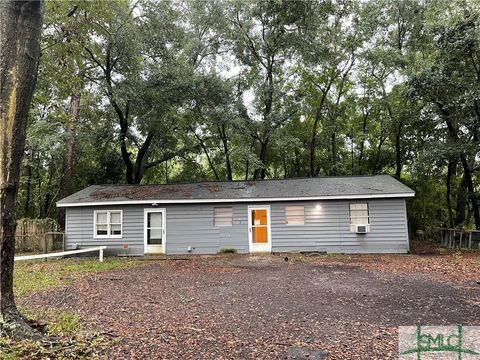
{"x": 206, "y": 201}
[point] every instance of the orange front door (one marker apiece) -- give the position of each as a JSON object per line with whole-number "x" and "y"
{"x": 259, "y": 229}
{"x": 259, "y": 226}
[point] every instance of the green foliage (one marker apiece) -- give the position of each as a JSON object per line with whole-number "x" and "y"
{"x": 227, "y": 251}
{"x": 239, "y": 89}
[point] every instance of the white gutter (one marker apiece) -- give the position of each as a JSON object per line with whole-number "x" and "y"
{"x": 250, "y": 200}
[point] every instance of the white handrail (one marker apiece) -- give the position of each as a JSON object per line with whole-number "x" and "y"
{"x": 64, "y": 253}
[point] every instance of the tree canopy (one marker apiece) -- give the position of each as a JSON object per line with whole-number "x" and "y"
{"x": 156, "y": 91}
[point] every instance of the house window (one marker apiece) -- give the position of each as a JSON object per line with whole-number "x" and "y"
{"x": 108, "y": 223}
{"x": 222, "y": 216}
{"x": 359, "y": 214}
{"x": 295, "y": 215}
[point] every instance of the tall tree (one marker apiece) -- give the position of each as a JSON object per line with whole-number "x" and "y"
{"x": 233, "y": 89}
{"x": 328, "y": 51}
{"x": 449, "y": 82}
{"x": 264, "y": 34}
{"x": 21, "y": 26}
{"x": 146, "y": 75}
{"x": 62, "y": 60}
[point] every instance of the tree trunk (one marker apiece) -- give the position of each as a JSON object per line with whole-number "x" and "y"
{"x": 48, "y": 196}
{"x": 166, "y": 172}
{"x": 66, "y": 183}
{"x": 20, "y": 30}
{"x": 451, "y": 167}
{"x": 467, "y": 173}
{"x": 333, "y": 139}
{"x": 313, "y": 148}
{"x": 136, "y": 172}
{"x": 314, "y": 170}
{"x": 38, "y": 169}
{"x": 297, "y": 163}
{"x": 378, "y": 157}
{"x": 398, "y": 152}
{"x": 223, "y": 134}
{"x": 335, "y": 115}
{"x": 228, "y": 163}
{"x": 366, "y": 114}
{"x": 398, "y": 134}
{"x": 261, "y": 173}
{"x": 247, "y": 163}
{"x": 205, "y": 151}
{"x": 352, "y": 157}
{"x": 26, "y": 210}
{"x": 462, "y": 199}
{"x": 123, "y": 116}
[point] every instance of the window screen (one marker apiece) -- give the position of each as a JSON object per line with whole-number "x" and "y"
{"x": 222, "y": 216}
{"x": 101, "y": 223}
{"x": 359, "y": 214}
{"x": 108, "y": 223}
{"x": 295, "y": 215}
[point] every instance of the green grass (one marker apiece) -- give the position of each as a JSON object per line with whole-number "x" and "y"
{"x": 82, "y": 346}
{"x": 40, "y": 275}
{"x": 66, "y": 323}
{"x": 72, "y": 342}
{"x": 66, "y": 339}
{"x": 62, "y": 323}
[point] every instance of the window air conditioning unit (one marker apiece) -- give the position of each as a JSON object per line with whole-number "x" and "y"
{"x": 362, "y": 229}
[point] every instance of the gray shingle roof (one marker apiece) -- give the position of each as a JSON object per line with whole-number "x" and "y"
{"x": 322, "y": 187}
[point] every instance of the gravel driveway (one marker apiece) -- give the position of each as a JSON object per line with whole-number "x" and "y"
{"x": 261, "y": 307}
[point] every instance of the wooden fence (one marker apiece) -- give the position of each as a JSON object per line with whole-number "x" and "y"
{"x": 458, "y": 238}
{"x": 37, "y": 236}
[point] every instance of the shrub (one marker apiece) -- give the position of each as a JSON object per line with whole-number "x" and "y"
{"x": 227, "y": 251}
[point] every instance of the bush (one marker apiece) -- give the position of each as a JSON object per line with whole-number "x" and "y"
{"x": 227, "y": 251}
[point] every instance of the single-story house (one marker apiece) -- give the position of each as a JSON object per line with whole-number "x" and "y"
{"x": 361, "y": 214}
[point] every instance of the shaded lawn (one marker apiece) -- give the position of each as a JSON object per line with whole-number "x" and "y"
{"x": 263, "y": 307}
{"x": 242, "y": 306}
{"x": 40, "y": 275}
{"x": 31, "y": 277}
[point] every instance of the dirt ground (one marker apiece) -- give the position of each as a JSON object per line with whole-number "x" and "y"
{"x": 263, "y": 307}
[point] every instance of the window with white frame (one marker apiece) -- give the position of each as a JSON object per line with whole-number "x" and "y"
{"x": 359, "y": 214}
{"x": 222, "y": 216}
{"x": 108, "y": 223}
{"x": 295, "y": 215}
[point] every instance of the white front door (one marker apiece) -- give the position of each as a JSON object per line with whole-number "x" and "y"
{"x": 259, "y": 229}
{"x": 154, "y": 231}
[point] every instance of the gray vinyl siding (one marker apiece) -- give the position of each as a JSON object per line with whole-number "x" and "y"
{"x": 328, "y": 228}
{"x": 191, "y": 225}
{"x": 79, "y": 229}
